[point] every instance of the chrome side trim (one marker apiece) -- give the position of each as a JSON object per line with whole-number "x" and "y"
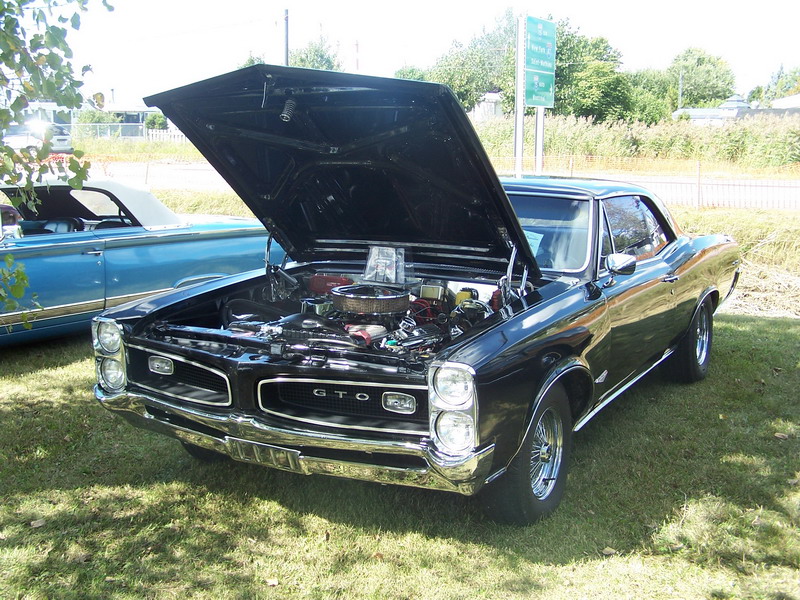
{"x": 53, "y": 312}
{"x": 117, "y": 300}
{"x": 614, "y": 395}
{"x": 328, "y": 424}
{"x": 217, "y": 372}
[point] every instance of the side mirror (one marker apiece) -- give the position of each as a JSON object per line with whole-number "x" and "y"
{"x": 621, "y": 264}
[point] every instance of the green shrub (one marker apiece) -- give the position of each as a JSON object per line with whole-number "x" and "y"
{"x": 155, "y": 121}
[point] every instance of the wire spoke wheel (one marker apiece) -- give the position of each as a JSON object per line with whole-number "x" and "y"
{"x": 702, "y": 337}
{"x": 547, "y": 452}
{"x": 693, "y": 353}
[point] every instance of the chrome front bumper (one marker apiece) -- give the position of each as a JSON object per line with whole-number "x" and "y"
{"x": 247, "y": 439}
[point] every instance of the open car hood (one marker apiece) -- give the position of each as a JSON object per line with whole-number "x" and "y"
{"x": 333, "y": 163}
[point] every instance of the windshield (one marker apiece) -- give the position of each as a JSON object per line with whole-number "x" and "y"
{"x": 557, "y": 230}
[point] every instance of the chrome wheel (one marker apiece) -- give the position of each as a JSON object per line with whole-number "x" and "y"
{"x": 702, "y": 337}
{"x": 547, "y": 451}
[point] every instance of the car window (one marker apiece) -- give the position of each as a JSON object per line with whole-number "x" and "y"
{"x": 96, "y": 202}
{"x": 606, "y": 245}
{"x": 557, "y": 230}
{"x": 635, "y": 230}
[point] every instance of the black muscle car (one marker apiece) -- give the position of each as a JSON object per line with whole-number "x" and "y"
{"x": 438, "y": 327}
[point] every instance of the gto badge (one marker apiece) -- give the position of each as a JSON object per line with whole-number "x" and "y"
{"x": 341, "y": 394}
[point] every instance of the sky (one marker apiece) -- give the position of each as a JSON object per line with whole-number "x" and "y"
{"x": 149, "y": 46}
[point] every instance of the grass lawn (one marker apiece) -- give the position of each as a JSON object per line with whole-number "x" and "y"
{"x": 674, "y": 492}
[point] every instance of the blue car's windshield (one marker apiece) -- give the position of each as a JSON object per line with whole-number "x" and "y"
{"x": 557, "y": 230}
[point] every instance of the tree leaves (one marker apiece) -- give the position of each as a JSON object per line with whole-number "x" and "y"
{"x": 34, "y": 65}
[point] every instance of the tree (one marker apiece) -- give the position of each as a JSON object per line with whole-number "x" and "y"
{"x": 586, "y": 71}
{"x": 414, "y": 73}
{"x": 96, "y": 116}
{"x": 253, "y": 59}
{"x": 653, "y": 98}
{"x": 317, "y": 55}
{"x": 706, "y": 79}
{"x": 35, "y": 65}
{"x": 602, "y": 93}
{"x": 155, "y": 121}
{"x": 465, "y": 71}
{"x": 781, "y": 84}
{"x": 480, "y": 66}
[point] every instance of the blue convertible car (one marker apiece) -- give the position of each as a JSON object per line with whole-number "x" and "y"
{"x": 87, "y": 250}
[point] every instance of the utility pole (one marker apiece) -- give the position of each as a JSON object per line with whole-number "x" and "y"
{"x": 680, "y": 90}
{"x": 286, "y": 37}
{"x": 519, "y": 102}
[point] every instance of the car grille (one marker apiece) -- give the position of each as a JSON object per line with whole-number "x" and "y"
{"x": 188, "y": 381}
{"x": 336, "y": 403}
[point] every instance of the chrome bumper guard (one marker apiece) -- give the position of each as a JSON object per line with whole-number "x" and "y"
{"x": 246, "y": 439}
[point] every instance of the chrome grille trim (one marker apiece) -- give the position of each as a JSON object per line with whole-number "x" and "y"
{"x": 214, "y": 371}
{"x": 332, "y": 425}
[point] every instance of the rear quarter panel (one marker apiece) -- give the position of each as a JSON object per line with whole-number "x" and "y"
{"x": 709, "y": 265}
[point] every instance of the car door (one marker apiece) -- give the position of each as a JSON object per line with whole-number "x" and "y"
{"x": 640, "y": 306}
{"x": 66, "y": 277}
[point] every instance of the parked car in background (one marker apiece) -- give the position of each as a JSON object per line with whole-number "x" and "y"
{"x": 9, "y": 221}
{"x": 33, "y": 134}
{"x": 442, "y": 328}
{"x": 87, "y": 250}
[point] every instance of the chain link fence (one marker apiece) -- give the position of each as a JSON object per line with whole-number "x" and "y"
{"x": 679, "y": 182}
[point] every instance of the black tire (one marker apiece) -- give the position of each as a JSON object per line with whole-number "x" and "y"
{"x": 693, "y": 354}
{"x": 532, "y": 487}
{"x": 203, "y": 454}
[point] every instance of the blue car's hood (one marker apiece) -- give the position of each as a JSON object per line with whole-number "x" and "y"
{"x": 333, "y": 163}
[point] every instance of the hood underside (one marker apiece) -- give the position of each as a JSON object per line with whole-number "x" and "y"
{"x": 334, "y": 163}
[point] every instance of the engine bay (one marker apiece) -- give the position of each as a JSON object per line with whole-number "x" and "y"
{"x": 337, "y": 312}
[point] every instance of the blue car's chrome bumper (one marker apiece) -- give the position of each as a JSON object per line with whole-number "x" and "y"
{"x": 246, "y": 439}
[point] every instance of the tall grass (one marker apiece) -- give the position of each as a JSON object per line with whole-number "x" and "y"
{"x": 753, "y": 142}
{"x": 112, "y": 149}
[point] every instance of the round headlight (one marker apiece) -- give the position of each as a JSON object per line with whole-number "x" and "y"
{"x": 453, "y": 386}
{"x": 455, "y": 431}
{"x": 112, "y": 373}
{"x": 108, "y": 336}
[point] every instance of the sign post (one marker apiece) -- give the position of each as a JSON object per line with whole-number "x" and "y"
{"x": 536, "y": 68}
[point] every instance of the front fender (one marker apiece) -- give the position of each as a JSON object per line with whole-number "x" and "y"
{"x": 574, "y": 374}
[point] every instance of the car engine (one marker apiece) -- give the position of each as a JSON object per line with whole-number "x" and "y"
{"x": 337, "y": 313}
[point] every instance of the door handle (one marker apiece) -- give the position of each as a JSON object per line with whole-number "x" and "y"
{"x": 670, "y": 278}
{"x": 92, "y": 252}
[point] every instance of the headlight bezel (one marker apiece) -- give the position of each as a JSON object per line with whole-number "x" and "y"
{"x": 443, "y": 396}
{"x": 446, "y": 440}
{"x": 105, "y": 328}
{"x": 444, "y": 405}
{"x": 103, "y": 377}
{"x": 109, "y": 352}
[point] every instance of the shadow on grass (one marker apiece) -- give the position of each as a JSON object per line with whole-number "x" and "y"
{"x": 30, "y": 357}
{"x": 657, "y": 470}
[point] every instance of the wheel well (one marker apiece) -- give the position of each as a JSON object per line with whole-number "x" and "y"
{"x": 714, "y": 297}
{"x": 578, "y": 385}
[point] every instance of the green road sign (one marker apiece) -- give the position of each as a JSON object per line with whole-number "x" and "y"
{"x": 539, "y": 88}
{"x": 540, "y": 62}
